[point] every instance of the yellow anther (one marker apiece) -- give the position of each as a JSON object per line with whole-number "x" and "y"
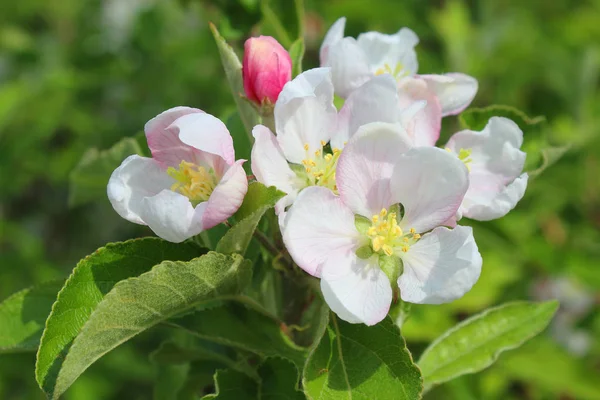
{"x": 416, "y": 236}
{"x": 318, "y": 153}
{"x": 398, "y": 230}
{"x": 312, "y": 163}
{"x": 193, "y": 181}
{"x": 413, "y": 231}
{"x": 306, "y": 146}
{"x": 335, "y": 150}
{"x": 307, "y": 169}
{"x": 383, "y": 212}
{"x": 372, "y": 231}
{"x": 323, "y": 143}
{"x": 405, "y": 239}
{"x": 387, "y": 249}
{"x": 375, "y": 219}
{"x": 328, "y": 157}
{"x": 404, "y": 249}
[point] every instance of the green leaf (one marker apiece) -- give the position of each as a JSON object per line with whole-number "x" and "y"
{"x": 258, "y": 200}
{"x": 88, "y": 180}
{"x": 169, "y": 381}
{"x": 23, "y": 314}
{"x": 279, "y": 380}
{"x": 271, "y": 18}
{"x": 540, "y": 153}
{"x": 232, "y": 385}
{"x": 297, "y": 54}
{"x": 243, "y": 328}
{"x": 90, "y": 281}
{"x": 476, "y": 343}
{"x": 136, "y": 304}
{"x": 233, "y": 72}
{"x": 357, "y": 361}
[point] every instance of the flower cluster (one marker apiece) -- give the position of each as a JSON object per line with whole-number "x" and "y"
{"x": 372, "y": 205}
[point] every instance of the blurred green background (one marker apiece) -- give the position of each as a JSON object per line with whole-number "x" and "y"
{"x": 76, "y": 75}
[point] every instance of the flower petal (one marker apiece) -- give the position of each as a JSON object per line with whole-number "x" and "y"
{"x": 333, "y": 35}
{"x": 304, "y": 120}
{"x": 349, "y": 66}
{"x": 442, "y": 266}
{"x": 205, "y": 133}
{"x": 497, "y": 161}
{"x": 314, "y": 82}
{"x": 397, "y": 49}
{"x": 455, "y": 91}
{"x": 270, "y": 166}
{"x": 319, "y": 229}
{"x": 171, "y": 216}
{"x": 137, "y": 177}
{"x": 356, "y": 290}
{"x": 430, "y": 183}
{"x": 366, "y": 165}
{"x": 375, "y": 101}
{"x": 424, "y": 126}
{"x": 163, "y": 139}
{"x": 227, "y": 196}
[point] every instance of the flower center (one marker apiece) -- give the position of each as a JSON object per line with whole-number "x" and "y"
{"x": 397, "y": 72}
{"x": 464, "y": 155}
{"x": 386, "y": 235}
{"x": 319, "y": 167}
{"x": 193, "y": 181}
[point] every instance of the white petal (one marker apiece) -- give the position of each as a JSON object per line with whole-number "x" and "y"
{"x": 384, "y": 49}
{"x": 319, "y": 229}
{"x": 366, "y": 165}
{"x": 425, "y": 122}
{"x": 163, "y": 139}
{"x": 349, "y": 66}
{"x": 496, "y": 163}
{"x": 499, "y": 205}
{"x": 171, "y": 216}
{"x": 356, "y": 290}
{"x": 455, "y": 91}
{"x": 270, "y": 166}
{"x": 375, "y": 101}
{"x": 206, "y": 133}
{"x": 441, "y": 267}
{"x": 303, "y": 121}
{"x": 314, "y": 82}
{"x": 227, "y": 196}
{"x": 430, "y": 183}
{"x": 137, "y": 177}
{"x": 334, "y": 35}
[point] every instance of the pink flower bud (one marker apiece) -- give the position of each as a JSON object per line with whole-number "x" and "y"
{"x": 267, "y": 67}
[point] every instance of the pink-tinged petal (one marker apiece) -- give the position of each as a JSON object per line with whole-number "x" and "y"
{"x": 304, "y": 120}
{"x": 366, "y": 165}
{"x": 319, "y": 229}
{"x": 375, "y": 101}
{"x": 499, "y": 205}
{"x": 454, "y": 91}
{"x": 441, "y": 267}
{"x": 163, "y": 139}
{"x": 424, "y": 126}
{"x": 496, "y": 164}
{"x": 393, "y": 50}
{"x": 314, "y": 82}
{"x": 136, "y": 178}
{"x": 430, "y": 183}
{"x": 171, "y": 216}
{"x": 270, "y": 166}
{"x": 227, "y": 197}
{"x": 205, "y": 133}
{"x": 356, "y": 290}
{"x": 333, "y": 35}
{"x": 349, "y": 66}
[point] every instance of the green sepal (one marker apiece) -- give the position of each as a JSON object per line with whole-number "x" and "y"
{"x": 391, "y": 266}
{"x": 364, "y": 252}
{"x": 362, "y": 224}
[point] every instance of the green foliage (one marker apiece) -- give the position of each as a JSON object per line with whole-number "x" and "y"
{"x": 90, "y": 281}
{"x": 353, "y": 360}
{"x": 476, "y": 343}
{"x": 232, "y": 385}
{"x": 23, "y": 314}
{"x": 258, "y": 200}
{"x": 170, "y": 380}
{"x": 297, "y": 54}
{"x": 136, "y": 304}
{"x": 279, "y": 380}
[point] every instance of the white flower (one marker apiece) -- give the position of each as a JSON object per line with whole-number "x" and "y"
{"x": 355, "y": 61}
{"x": 311, "y": 133}
{"x": 191, "y": 183}
{"x": 495, "y": 163}
{"x": 383, "y": 230}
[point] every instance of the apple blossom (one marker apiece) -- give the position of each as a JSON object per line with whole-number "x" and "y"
{"x": 311, "y": 133}
{"x": 383, "y": 233}
{"x": 191, "y": 183}
{"x": 355, "y": 61}
{"x": 495, "y": 164}
{"x": 267, "y": 67}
